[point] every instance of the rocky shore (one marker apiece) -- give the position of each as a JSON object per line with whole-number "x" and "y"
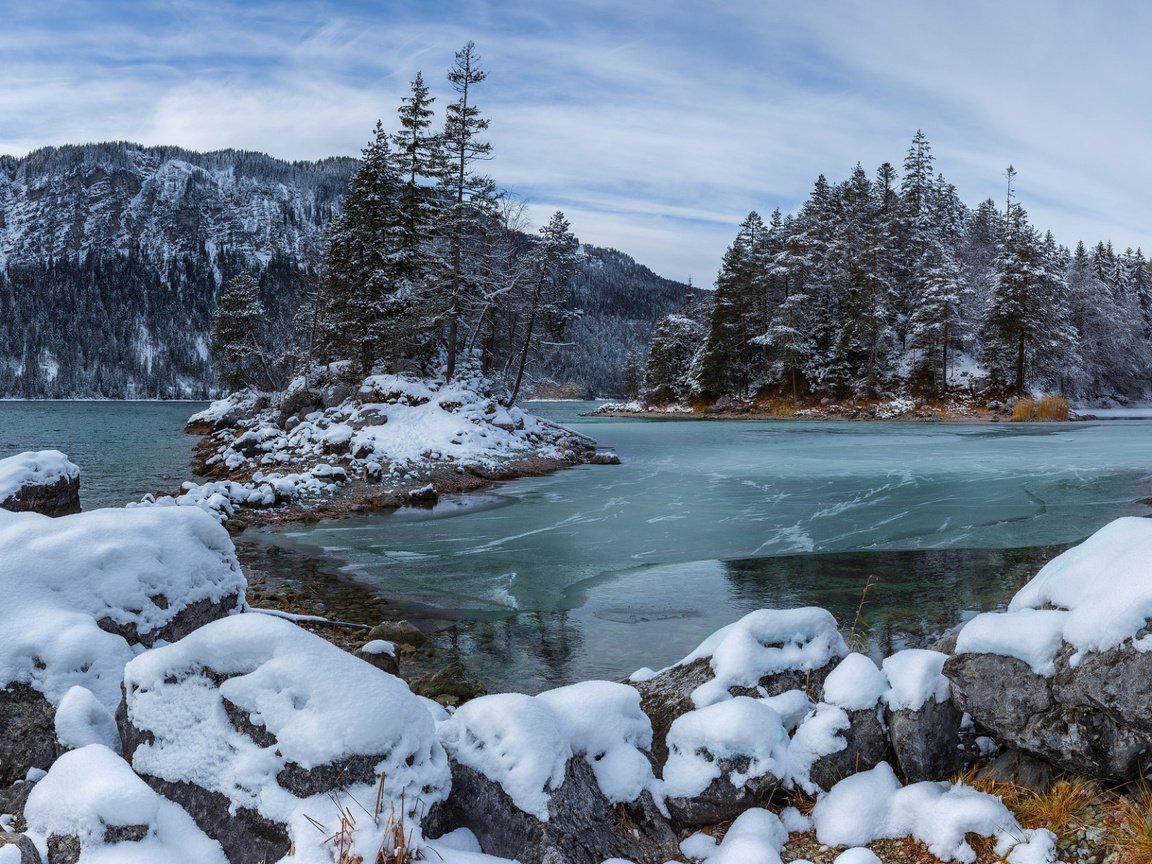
{"x": 153, "y": 713}
{"x": 324, "y": 448}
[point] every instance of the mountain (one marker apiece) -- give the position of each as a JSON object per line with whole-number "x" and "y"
{"x": 112, "y": 256}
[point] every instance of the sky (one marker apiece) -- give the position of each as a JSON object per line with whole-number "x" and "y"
{"x": 655, "y": 125}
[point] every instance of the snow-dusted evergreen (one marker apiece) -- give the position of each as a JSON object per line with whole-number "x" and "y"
{"x": 890, "y": 285}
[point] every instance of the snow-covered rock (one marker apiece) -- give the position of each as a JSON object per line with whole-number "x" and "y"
{"x": 1061, "y": 674}
{"x": 923, "y": 722}
{"x": 82, "y": 594}
{"x": 257, "y": 728}
{"x": 559, "y": 777}
{"x": 91, "y": 807}
{"x": 766, "y": 653}
{"x": 43, "y": 482}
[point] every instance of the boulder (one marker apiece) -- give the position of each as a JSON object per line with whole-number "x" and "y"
{"x": 451, "y": 685}
{"x": 26, "y": 848}
{"x": 398, "y": 632}
{"x": 766, "y": 653}
{"x": 29, "y": 739}
{"x": 263, "y": 691}
{"x": 604, "y": 459}
{"x": 723, "y": 759}
{"x": 924, "y": 722}
{"x": 928, "y": 743}
{"x": 866, "y": 745}
{"x": 90, "y": 805}
{"x": 1091, "y": 719}
{"x": 583, "y": 826}
{"x": 44, "y": 482}
{"x": 381, "y": 654}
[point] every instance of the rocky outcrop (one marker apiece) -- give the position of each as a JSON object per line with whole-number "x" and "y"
{"x": 1091, "y": 719}
{"x": 866, "y": 745}
{"x": 583, "y": 826}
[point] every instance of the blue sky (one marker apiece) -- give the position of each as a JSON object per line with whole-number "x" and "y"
{"x": 655, "y": 125}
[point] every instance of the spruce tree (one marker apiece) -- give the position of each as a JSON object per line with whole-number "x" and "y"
{"x": 239, "y": 344}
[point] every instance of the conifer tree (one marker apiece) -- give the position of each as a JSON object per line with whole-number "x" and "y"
{"x": 239, "y": 343}
{"x": 470, "y": 198}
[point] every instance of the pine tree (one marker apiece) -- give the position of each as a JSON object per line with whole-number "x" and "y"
{"x": 470, "y": 197}
{"x": 419, "y": 161}
{"x": 554, "y": 260}
{"x": 240, "y": 340}
{"x": 366, "y": 306}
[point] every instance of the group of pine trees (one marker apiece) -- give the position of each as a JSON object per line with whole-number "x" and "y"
{"x": 891, "y": 284}
{"x": 425, "y": 263}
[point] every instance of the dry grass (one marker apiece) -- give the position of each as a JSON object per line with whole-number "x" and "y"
{"x": 856, "y": 633}
{"x": 1023, "y": 410}
{"x": 396, "y": 848}
{"x": 1052, "y": 408}
{"x": 1044, "y": 408}
{"x": 1128, "y": 827}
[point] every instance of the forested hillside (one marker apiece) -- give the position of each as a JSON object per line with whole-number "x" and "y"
{"x": 112, "y": 258}
{"x": 889, "y": 284}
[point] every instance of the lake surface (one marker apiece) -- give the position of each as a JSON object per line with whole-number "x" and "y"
{"x": 124, "y": 449}
{"x": 596, "y": 571}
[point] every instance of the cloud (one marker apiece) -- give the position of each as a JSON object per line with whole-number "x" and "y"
{"x": 655, "y": 126}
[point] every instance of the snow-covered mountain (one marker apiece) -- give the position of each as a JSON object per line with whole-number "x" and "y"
{"x": 112, "y": 257}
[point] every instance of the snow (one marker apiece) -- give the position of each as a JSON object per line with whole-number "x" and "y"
{"x": 765, "y": 642}
{"x": 855, "y": 684}
{"x": 514, "y": 740}
{"x": 604, "y": 723}
{"x": 81, "y": 720}
{"x": 915, "y": 676}
{"x": 92, "y": 789}
{"x": 298, "y": 688}
{"x": 755, "y": 837}
{"x": 818, "y": 736}
{"x": 857, "y": 855}
{"x": 134, "y": 569}
{"x": 524, "y": 742}
{"x": 1031, "y": 635}
{"x": 1095, "y": 596}
{"x": 872, "y": 805}
{"x": 738, "y": 729}
{"x": 40, "y": 468}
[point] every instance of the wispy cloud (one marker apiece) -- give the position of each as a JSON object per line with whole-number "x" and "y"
{"x": 656, "y": 126}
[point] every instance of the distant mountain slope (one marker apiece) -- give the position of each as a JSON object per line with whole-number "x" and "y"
{"x": 112, "y": 255}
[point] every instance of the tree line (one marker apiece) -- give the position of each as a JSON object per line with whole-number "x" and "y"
{"x": 889, "y": 284}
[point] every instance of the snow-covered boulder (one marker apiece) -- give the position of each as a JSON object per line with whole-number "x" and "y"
{"x": 563, "y": 777}
{"x": 923, "y": 721}
{"x": 1062, "y": 673}
{"x": 43, "y": 482}
{"x": 723, "y": 759}
{"x": 82, "y": 594}
{"x": 91, "y": 806}
{"x": 846, "y": 733}
{"x": 262, "y": 731}
{"x": 765, "y": 653}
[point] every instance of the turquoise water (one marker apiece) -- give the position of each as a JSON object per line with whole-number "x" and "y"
{"x": 124, "y": 449}
{"x": 598, "y": 570}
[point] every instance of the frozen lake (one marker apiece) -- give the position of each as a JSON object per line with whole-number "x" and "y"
{"x": 598, "y": 570}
